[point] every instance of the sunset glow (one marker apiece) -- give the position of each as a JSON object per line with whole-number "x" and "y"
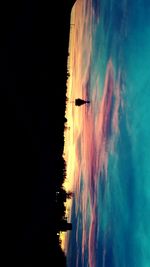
{"x": 101, "y": 142}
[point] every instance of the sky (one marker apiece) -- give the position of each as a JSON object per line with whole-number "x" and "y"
{"x": 107, "y": 144}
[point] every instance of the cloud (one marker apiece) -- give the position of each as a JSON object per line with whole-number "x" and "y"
{"x": 97, "y": 132}
{"x": 92, "y": 129}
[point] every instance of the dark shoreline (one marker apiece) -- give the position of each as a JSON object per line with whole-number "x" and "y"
{"x": 34, "y": 51}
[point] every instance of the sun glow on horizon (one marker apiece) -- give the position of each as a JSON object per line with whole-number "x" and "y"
{"x": 69, "y": 145}
{"x": 76, "y": 88}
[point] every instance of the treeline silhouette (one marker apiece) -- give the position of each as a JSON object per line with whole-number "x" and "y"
{"x": 61, "y": 197}
{"x": 33, "y": 52}
{"x": 59, "y": 175}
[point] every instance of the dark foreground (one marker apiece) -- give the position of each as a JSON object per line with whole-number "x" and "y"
{"x": 33, "y": 58}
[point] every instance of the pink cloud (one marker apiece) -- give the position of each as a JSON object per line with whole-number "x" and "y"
{"x": 92, "y": 238}
{"x": 98, "y": 127}
{"x": 94, "y": 128}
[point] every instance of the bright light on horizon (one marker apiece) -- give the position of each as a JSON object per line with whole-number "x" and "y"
{"x": 69, "y": 146}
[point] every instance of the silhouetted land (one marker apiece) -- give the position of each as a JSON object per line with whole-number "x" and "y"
{"x": 33, "y": 69}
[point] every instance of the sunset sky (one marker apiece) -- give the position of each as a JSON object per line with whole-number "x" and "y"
{"x": 101, "y": 145}
{"x": 82, "y": 142}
